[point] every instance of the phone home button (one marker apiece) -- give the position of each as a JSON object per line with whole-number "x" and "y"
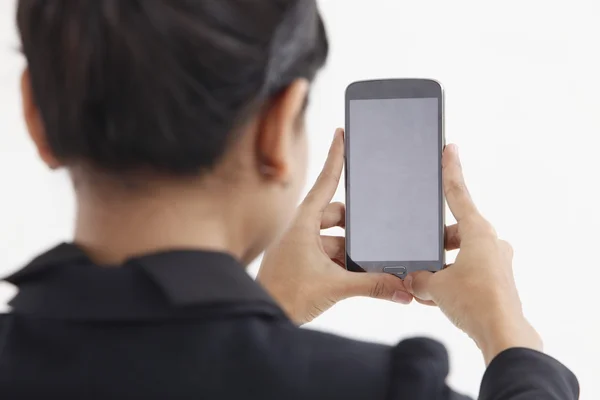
{"x": 399, "y": 271}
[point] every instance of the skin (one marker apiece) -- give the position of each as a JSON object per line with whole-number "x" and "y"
{"x": 302, "y": 269}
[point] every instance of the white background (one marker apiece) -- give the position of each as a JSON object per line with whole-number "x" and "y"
{"x": 522, "y": 82}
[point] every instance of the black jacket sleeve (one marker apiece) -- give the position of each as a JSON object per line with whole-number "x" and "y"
{"x": 523, "y": 374}
{"x": 420, "y": 367}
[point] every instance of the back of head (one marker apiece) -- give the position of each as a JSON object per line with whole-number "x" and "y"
{"x": 161, "y": 84}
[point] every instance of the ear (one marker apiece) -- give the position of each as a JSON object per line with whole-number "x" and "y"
{"x": 34, "y": 123}
{"x": 278, "y": 129}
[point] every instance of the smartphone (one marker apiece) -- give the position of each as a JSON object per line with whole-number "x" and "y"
{"x": 394, "y": 196}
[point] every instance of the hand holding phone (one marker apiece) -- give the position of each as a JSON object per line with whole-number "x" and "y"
{"x": 478, "y": 292}
{"x": 304, "y": 269}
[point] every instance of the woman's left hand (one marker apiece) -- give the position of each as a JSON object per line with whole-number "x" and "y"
{"x": 304, "y": 271}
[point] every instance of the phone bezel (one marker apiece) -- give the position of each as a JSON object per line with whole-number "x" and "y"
{"x": 396, "y": 89}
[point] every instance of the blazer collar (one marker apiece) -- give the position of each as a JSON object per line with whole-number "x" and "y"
{"x": 65, "y": 283}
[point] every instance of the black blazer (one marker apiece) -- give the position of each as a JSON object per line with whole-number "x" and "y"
{"x": 194, "y": 325}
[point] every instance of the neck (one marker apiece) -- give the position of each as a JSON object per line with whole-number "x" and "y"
{"x": 115, "y": 224}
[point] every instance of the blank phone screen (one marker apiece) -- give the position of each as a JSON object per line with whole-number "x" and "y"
{"x": 393, "y": 180}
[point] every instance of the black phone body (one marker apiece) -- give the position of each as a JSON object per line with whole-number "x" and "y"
{"x": 394, "y": 195}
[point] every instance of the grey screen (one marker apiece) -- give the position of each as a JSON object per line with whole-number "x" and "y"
{"x": 393, "y": 180}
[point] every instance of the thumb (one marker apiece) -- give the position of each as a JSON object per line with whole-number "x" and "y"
{"x": 419, "y": 285}
{"x": 377, "y": 286}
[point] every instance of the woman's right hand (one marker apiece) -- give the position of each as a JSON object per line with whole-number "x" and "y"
{"x": 477, "y": 292}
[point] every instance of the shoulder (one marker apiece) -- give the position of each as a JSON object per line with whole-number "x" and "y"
{"x": 313, "y": 345}
{"x": 330, "y": 364}
{"x": 324, "y": 365}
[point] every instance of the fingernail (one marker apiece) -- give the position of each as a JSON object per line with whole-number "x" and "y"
{"x": 453, "y": 148}
{"x": 408, "y": 283}
{"x": 401, "y": 297}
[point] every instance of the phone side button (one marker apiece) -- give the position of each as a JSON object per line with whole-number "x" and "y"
{"x": 400, "y": 271}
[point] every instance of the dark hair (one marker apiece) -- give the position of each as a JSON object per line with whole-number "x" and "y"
{"x": 161, "y": 84}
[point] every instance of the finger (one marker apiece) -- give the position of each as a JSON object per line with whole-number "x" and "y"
{"x": 452, "y": 238}
{"x": 377, "y": 286}
{"x": 334, "y": 247}
{"x": 334, "y": 215}
{"x": 419, "y": 284}
{"x": 455, "y": 188}
{"x": 328, "y": 181}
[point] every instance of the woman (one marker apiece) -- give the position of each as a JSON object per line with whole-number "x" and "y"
{"x": 181, "y": 123}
